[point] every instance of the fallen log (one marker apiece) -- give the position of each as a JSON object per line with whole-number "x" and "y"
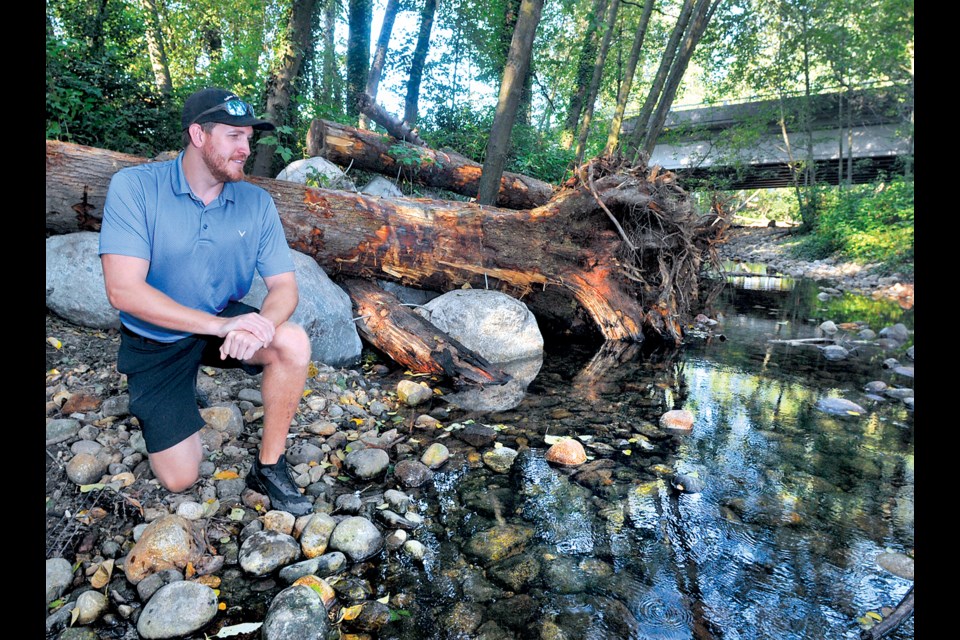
{"x": 412, "y": 341}
{"x": 568, "y": 245}
{"x": 370, "y": 151}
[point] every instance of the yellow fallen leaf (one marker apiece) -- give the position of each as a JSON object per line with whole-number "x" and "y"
{"x": 312, "y": 370}
{"x": 53, "y": 342}
{"x": 875, "y": 615}
{"x": 350, "y": 612}
{"x": 627, "y": 452}
{"x": 226, "y": 475}
{"x": 357, "y": 421}
{"x": 222, "y": 606}
{"x": 53, "y": 372}
{"x": 384, "y": 600}
{"x": 306, "y": 392}
{"x": 853, "y": 413}
{"x": 189, "y": 571}
{"x": 101, "y": 577}
{"x": 74, "y": 614}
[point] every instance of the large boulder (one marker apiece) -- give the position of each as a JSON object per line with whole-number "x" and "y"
{"x": 317, "y": 172}
{"x": 75, "y": 288}
{"x": 497, "y": 327}
{"x": 325, "y": 312}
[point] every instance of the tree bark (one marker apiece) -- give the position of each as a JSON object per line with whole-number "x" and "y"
{"x": 379, "y": 57}
{"x": 370, "y": 151}
{"x": 419, "y": 60}
{"x": 623, "y": 94}
{"x": 155, "y": 47}
{"x": 518, "y": 61}
{"x": 412, "y": 341}
{"x": 280, "y": 83}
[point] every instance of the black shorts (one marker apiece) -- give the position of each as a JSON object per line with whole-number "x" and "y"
{"x": 162, "y": 380}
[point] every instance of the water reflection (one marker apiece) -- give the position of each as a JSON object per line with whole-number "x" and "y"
{"x": 780, "y": 543}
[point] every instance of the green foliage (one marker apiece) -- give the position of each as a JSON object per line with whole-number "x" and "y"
{"x": 409, "y": 156}
{"x": 95, "y": 100}
{"x": 273, "y": 140}
{"x": 870, "y": 223}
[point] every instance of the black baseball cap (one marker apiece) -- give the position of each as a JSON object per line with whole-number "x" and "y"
{"x": 220, "y": 105}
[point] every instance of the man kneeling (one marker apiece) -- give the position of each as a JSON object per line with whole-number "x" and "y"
{"x": 179, "y": 244}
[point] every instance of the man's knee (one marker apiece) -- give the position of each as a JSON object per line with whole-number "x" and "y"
{"x": 176, "y": 479}
{"x": 292, "y": 344}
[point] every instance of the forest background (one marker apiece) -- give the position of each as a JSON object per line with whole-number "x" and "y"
{"x": 534, "y": 87}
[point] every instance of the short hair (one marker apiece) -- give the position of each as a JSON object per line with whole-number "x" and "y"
{"x": 185, "y": 137}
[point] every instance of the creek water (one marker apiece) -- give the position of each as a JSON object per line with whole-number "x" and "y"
{"x": 782, "y": 539}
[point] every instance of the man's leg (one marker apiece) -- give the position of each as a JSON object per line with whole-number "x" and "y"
{"x": 285, "y": 364}
{"x": 178, "y": 467}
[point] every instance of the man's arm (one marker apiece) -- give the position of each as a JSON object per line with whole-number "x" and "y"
{"x": 125, "y": 278}
{"x": 277, "y": 307}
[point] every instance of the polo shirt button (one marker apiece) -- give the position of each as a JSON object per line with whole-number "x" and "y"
{"x": 204, "y": 226}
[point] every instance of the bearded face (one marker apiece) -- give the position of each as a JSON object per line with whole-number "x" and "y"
{"x": 226, "y": 165}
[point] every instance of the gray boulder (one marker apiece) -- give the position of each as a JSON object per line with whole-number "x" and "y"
{"x": 380, "y": 186}
{"x": 75, "y": 288}
{"x": 325, "y": 312}
{"x": 497, "y": 327}
{"x": 317, "y": 172}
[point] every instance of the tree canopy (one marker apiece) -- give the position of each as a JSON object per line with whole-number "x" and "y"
{"x": 118, "y": 70}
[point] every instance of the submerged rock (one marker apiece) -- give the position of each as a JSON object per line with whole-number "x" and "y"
{"x": 677, "y": 420}
{"x": 567, "y": 452}
{"x": 840, "y": 407}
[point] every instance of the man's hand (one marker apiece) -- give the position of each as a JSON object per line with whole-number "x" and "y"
{"x": 261, "y": 328}
{"x": 240, "y": 344}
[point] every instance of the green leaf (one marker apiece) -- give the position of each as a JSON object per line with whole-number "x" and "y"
{"x": 396, "y": 614}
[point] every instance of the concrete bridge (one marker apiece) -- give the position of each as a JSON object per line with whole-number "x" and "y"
{"x": 694, "y": 143}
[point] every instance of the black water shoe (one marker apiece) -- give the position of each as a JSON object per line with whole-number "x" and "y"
{"x": 276, "y": 482}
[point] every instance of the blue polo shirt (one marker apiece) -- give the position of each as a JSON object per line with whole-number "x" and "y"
{"x": 201, "y": 256}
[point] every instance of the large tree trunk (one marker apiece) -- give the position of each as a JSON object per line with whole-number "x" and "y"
{"x": 370, "y": 151}
{"x": 518, "y": 61}
{"x": 280, "y": 83}
{"x": 650, "y": 261}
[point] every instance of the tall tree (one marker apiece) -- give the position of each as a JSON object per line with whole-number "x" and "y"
{"x": 518, "y": 60}
{"x": 623, "y": 93}
{"x": 666, "y": 60}
{"x": 585, "y": 63}
{"x": 298, "y": 39}
{"x": 156, "y": 48}
{"x": 380, "y": 54}
{"x": 411, "y": 103}
{"x": 598, "y": 66}
{"x": 358, "y": 53}
{"x": 702, "y": 13}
